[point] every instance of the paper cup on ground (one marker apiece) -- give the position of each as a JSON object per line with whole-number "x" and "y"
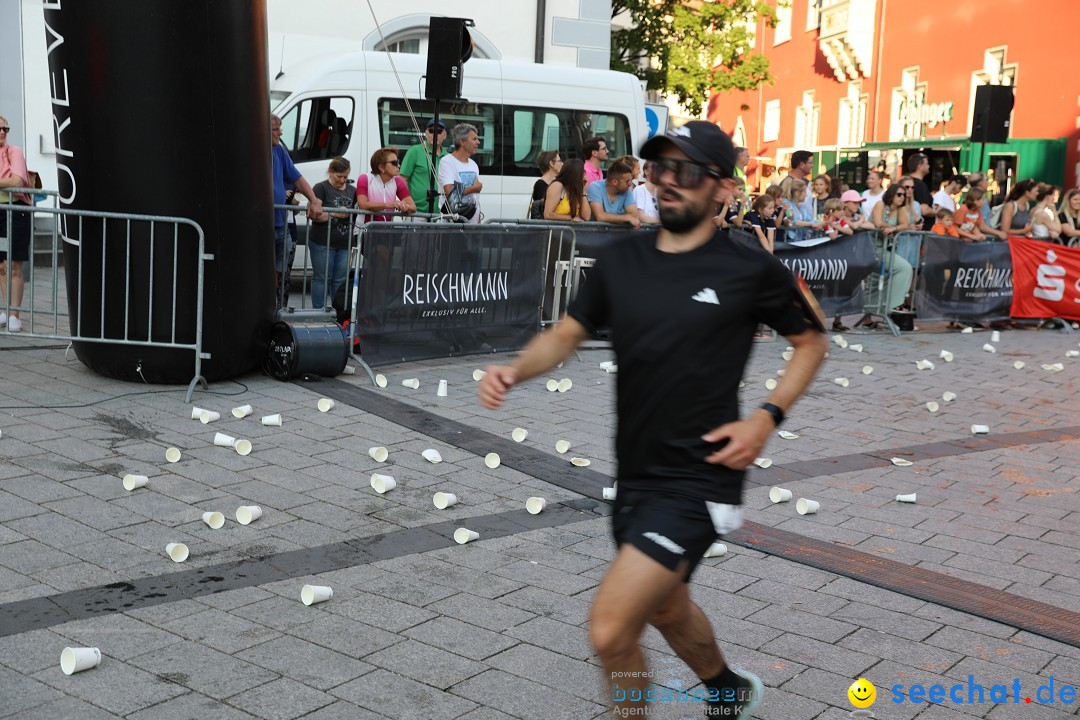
{"x": 552, "y": 385}
{"x": 383, "y": 484}
{"x": 980, "y": 429}
{"x": 716, "y": 550}
{"x": 561, "y": 446}
{"x": 247, "y": 514}
{"x": 771, "y": 384}
{"x": 223, "y": 440}
{"x": 906, "y": 498}
{"x": 172, "y": 455}
{"x": 444, "y": 500}
{"x": 177, "y": 551}
{"x": 787, "y": 435}
{"x": 1072, "y": 353}
{"x": 519, "y": 434}
{"x": 610, "y": 493}
{"x": 807, "y": 507}
{"x": 73, "y": 660}
{"x": 413, "y": 383}
{"x": 214, "y": 519}
{"x": 843, "y": 343}
{"x": 535, "y": 505}
{"x": 478, "y": 375}
{"x": 312, "y": 594}
{"x": 948, "y": 396}
{"x": 196, "y": 413}
{"x": 901, "y": 462}
{"x": 135, "y": 481}
{"x": 763, "y": 463}
{"x": 989, "y": 348}
{"x": 946, "y": 356}
{"x": 441, "y": 392}
{"x": 492, "y": 460}
{"x": 967, "y": 331}
{"x": 995, "y": 336}
{"x": 380, "y": 380}
{"x": 842, "y": 382}
{"x": 932, "y": 406}
{"x": 432, "y": 455}
{"x": 241, "y": 412}
{"x": 274, "y": 419}
{"x": 779, "y": 494}
{"x": 580, "y": 462}
{"x": 378, "y": 454}
{"x": 612, "y": 369}
{"x": 209, "y": 416}
{"x": 464, "y": 535}
{"x": 867, "y": 370}
{"x": 564, "y": 385}
{"x": 326, "y": 405}
{"x": 348, "y": 370}
{"x": 242, "y": 447}
{"x": 924, "y": 365}
{"x": 607, "y": 364}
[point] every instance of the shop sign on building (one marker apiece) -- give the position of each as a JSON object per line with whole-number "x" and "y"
{"x": 916, "y": 115}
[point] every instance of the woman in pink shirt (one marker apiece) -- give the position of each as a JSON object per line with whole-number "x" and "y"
{"x": 384, "y": 188}
{"x": 12, "y": 174}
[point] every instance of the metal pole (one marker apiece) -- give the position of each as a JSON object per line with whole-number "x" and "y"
{"x": 432, "y": 194}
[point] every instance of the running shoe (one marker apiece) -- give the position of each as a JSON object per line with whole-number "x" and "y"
{"x": 737, "y": 705}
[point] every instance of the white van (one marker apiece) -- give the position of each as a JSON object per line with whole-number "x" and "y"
{"x": 351, "y": 104}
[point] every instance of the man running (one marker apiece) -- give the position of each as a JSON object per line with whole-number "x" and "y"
{"x": 682, "y": 306}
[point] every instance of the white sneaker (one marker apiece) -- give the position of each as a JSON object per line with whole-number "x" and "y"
{"x": 14, "y": 324}
{"x": 3, "y": 319}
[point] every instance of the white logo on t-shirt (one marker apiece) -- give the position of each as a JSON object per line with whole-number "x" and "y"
{"x": 665, "y": 543}
{"x": 707, "y": 295}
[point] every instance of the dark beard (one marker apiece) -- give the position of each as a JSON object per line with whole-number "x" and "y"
{"x": 682, "y": 220}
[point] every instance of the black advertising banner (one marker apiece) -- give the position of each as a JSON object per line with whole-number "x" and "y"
{"x": 439, "y": 290}
{"x": 964, "y": 280}
{"x": 833, "y": 270}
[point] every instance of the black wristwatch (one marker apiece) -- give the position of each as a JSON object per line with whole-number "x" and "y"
{"x": 776, "y": 412}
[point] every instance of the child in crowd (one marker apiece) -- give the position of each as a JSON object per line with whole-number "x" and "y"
{"x": 779, "y": 216}
{"x": 853, "y": 205}
{"x": 968, "y": 217}
{"x": 731, "y": 214}
{"x": 760, "y": 220}
{"x": 835, "y": 222}
{"x": 944, "y": 224}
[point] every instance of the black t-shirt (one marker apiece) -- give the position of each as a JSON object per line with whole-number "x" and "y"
{"x": 923, "y": 197}
{"x": 683, "y": 327}
{"x": 540, "y": 189}
{"x": 755, "y": 219}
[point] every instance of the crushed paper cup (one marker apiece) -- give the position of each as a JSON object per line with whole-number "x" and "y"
{"x": 443, "y": 500}
{"x": 1056, "y": 367}
{"x": 924, "y": 365}
{"x": 787, "y": 435}
{"x": 989, "y": 348}
{"x": 432, "y": 456}
{"x": 564, "y": 385}
{"x": 135, "y": 481}
{"x": 464, "y": 535}
{"x": 77, "y": 659}
{"x": 492, "y": 460}
{"x": 561, "y": 446}
{"x": 172, "y": 454}
{"x": 967, "y": 331}
{"x": 223, "y": 440}
{"x": 312, "y": 594}
{"x": 177, "y": 552}
{"x": 382, "y": 484}
{"x": 932, "y": 406}
{"x": 763, "y": 463}
{"x": 196, "y": 413}
{"x": 378, "y": 454}
{"x": 607, "y": 364}
{"x": 995, "y": 336}
{"x": 610, "y": 493}
{"x": 552, "y": 385}
{"x": 842, "y": 382}
{"x": 856, "y": 348}
{"x": 274, "y": 419}
{"x": 247, "y": 514}
{"x": 779, "y": 494}
{"x": 326, "y": 405}
{"x": 867, "y": 370}
{"x": 807, "y": 507}
{"x": 535, "y": 505}
{"x": 478, "y": 375}
{"x": 787, "y": 355}
{"x": 980, "y": 429}
{"x": 209, "y": 416}
{"x": 906, "y": 498}
{"x": 242, "y": 447}
{"x": 1019, "y": 364}
{"x": 948, "y": 396}
{"x": 901, "y": 462}
{"x": 441, "y": 392}
{"x": 214, "y": 519}
{"x": 838, "y": 339}
{"x": 580, "y": 462}
{"x": 242, "y": 411}
{"x": 519, "y": 434}
{"x": 946, "y": 356}
{"x": 381, "y": 380}
{"x": 771, "y": 384}
{"x": 716, "y": 550}
{"x": 413, "y": 383}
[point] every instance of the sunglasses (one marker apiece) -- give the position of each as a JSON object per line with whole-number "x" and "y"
{"x": 688, "y": 174}
{"x": 395, "y": 163}
{"x": 901, "y": 195}
{"x": 5, "y": 129}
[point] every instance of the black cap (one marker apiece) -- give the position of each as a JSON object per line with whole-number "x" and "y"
{"x": 702, "y": 141}
{"x": 960, "y": 179}
{"x": 431, "y": 122}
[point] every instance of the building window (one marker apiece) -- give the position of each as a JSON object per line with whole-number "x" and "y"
{"x": 853, "y": 111}
{"x": 410, "y": 45}
{"x": 807, "y": 119}
{"x": 771, "y": 131}
{"x": 783, "y": 22}
{"x": 813, "y": 14}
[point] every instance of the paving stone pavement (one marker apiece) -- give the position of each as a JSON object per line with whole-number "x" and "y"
{"x": 497, "y": 628}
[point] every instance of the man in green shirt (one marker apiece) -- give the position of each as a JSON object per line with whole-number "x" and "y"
{"x": 416, "y": 169}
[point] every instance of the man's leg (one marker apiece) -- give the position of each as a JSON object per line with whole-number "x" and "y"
{"x": 688, "y": 632}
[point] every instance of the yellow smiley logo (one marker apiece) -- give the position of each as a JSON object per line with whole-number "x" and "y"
{"x": 862, "y": 693}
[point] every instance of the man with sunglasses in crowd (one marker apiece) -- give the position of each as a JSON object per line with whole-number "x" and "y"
{"x": 416, "y": 165}
{"x": 683, "y": 305}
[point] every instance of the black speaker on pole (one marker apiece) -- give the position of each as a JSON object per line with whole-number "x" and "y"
{"x": 993, "y": 108}
{"x": 449, "y": 46}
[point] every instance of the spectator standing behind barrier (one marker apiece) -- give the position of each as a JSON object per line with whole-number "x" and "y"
{"x": 977, "y": 180}
{"x": 944, "y": 224}
{"x": 732, "y": 211}
{"x": 802, "y": 164}
{"x": 943, "y": 198}
{"x": 384, "y": 188}
{"x": 742, "y": 159}
{"x": 13, "y": 173}
{"x": 836, "y": 224}
{"x": 550, "y": 164}
{"x": 821, "y": 188}
{"x": 1044, "y": 222}
{"x": 800, "y": 219}
{"x": 566, "y": 198}
{"x": 1015, "y": 211}
{"x": 854, "y": 209}
{"x": 610, "y": 199}
{"x": 330, "y": 235}
{"x": 760, "y": 220}
{"x": 968, "y": 219}
{"x": 918, "y": 167}
{"x": 779, "y": 217}
{"x": 873, "y": 192}
{"x": 459, "y": 175}
{"x": 1069, "y": 215}
{"x": 645, "y": 197}
{"x": 283, "y": 172}
{"x": 595, "y": 153}
{"x": 635, "y": 169}
{"x": 891, "y": 216}
{"x": 416, "y": 166}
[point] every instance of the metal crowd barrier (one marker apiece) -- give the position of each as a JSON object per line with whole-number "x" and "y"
{"x": 56, "y": 325}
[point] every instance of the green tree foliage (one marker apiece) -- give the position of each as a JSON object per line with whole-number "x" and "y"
{"x": 689, "y": 48}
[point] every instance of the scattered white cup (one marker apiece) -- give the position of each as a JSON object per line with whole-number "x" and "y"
{"x": 561, "y": 446}
{"x": 612, "y": 369}
{"x": 492, "y": 460}
{"x": 807, "y": 507}
{"x": 906, "y": 498}
{"x": 989, "y": 348}
{"x": 1019, "y": 364}
{"x": 274, "y": 419}
{"x": 610, "y": 493}
{"x": 242, "y": 447}
{"x": 779, "y": 494}
{"x": 326, "y": 405}
{"x": 209, "y": 416}
{"x": 924, "y": 365}
{"x": 380, "y": 380}
{"x": 980, "y": 429}
{"x": 771, "y": 384}
{"x": 535, "y": 505}
{"x": 948, "y": 396}
{"x": 135, "y": 481}
{"x": 383, "y": 484}
{"x": 1072, "y": 353}
{"x": 214, "y": 519}
{"x": 77, "y": 659}
{"x": 901, "y": 462}
{"x": 842, "y": 382}
{"x": 995, "y": 336}
{"x": 172, "y": 454}
{"x": 716, "y": 550}
{"x": 378, "y": 454}
{"x": 312, "y": 594}
{"x": 763, "y": 463}
{"x": 241, "y": 412}
{"x": 867, "y": 370}
{"x": 247, "y": 514}
{"x": 223, "y": 440}
{"x": 348, "y": 370}
{"x": 787, "y": 435}
{"x": 464, "y": 535}
{"x": 444, "y": 500}
{"x": 178, "y": 552}
{"x": 441, "y": 392}
{"x": 552, "y": 385}
{"x": 519, "y": 434}
{"x": 580, "y": 462}
{"x": 196, "y": 413}
{"x": 432, "y": 455}
{"x": 946, "y": 356}
{"x": 787, "y": 355}
{"x": 478, "y": 375}
{"x": 932, "y": 406}
{"x": 564, "y": 385}
{"x": 967, "y": 331}
{"x": 607, "y": 364}
{"x": 413, "y": 383}
{"x": 856, "y": 348}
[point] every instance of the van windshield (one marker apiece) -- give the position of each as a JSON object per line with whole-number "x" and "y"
{"x": 277, "y": 97}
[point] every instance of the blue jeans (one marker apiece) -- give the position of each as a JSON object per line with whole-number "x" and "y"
{"x": 337, "y": 271}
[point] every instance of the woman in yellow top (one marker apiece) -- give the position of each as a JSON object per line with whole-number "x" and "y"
{"x": 566, "y": 194}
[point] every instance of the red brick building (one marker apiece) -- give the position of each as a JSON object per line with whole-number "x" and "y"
{"x": 864, "y": 83}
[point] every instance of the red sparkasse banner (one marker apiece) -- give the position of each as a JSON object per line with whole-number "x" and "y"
{"x": 1046, "y": 279}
